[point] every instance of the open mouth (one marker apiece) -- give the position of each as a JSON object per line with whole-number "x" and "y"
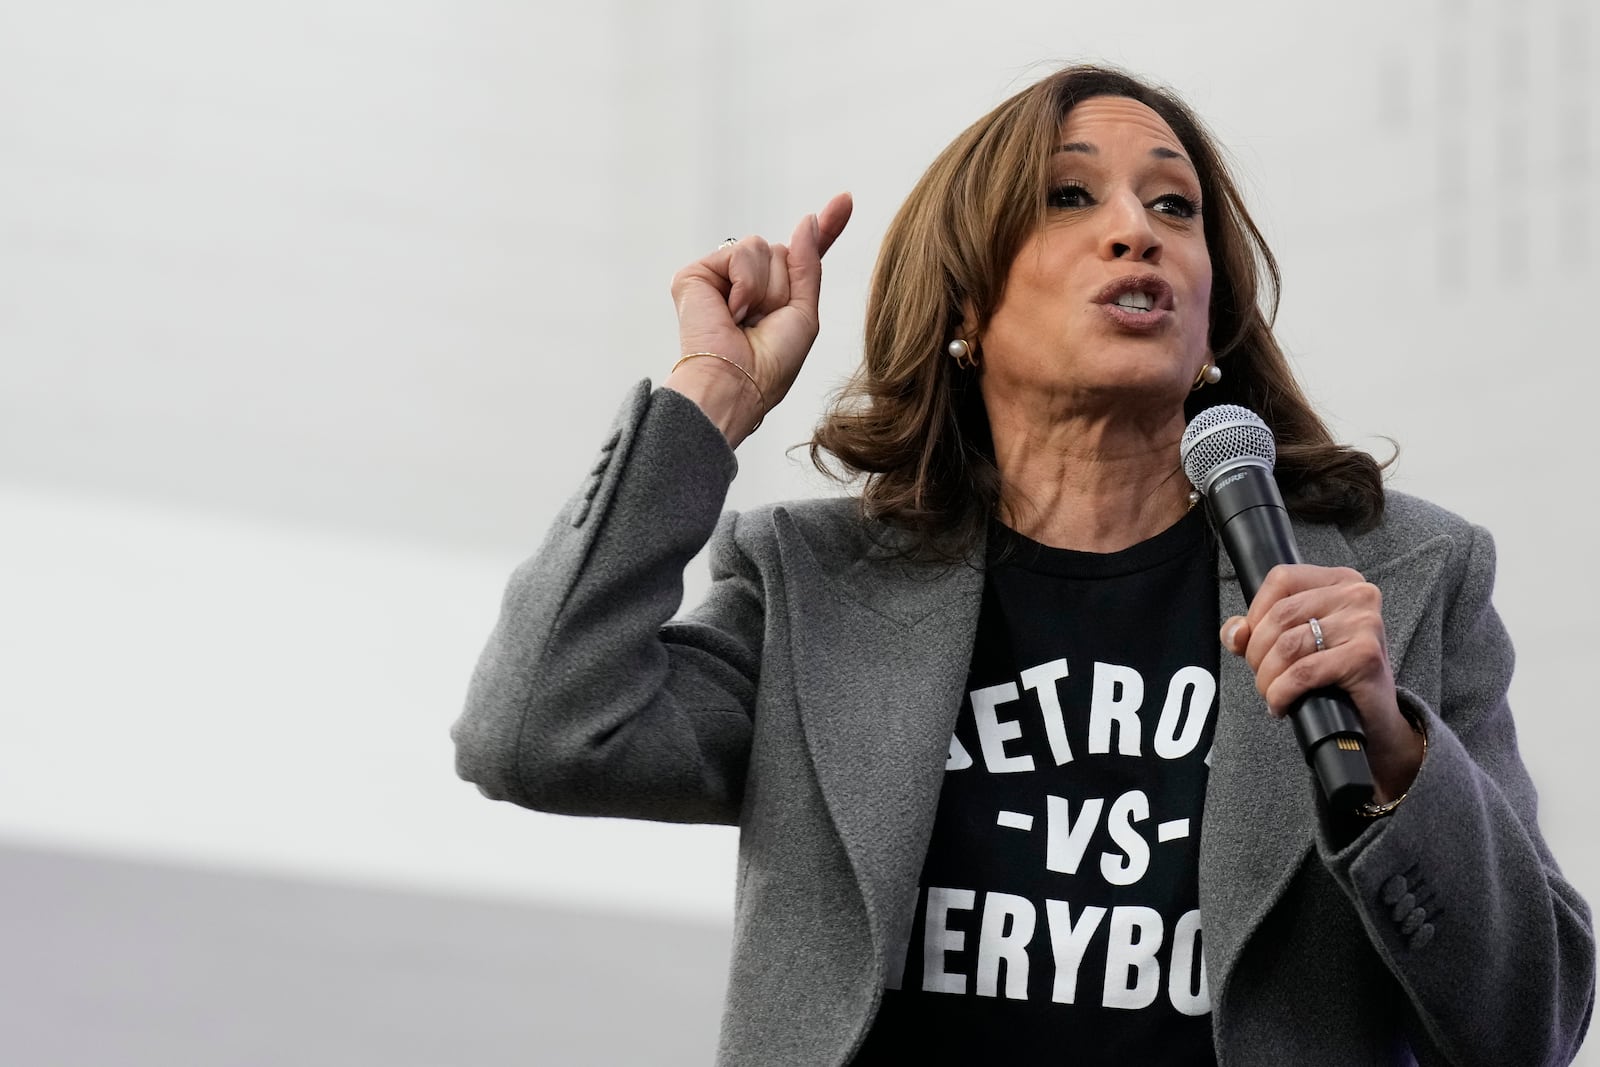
{"x": 1141, "y": 294}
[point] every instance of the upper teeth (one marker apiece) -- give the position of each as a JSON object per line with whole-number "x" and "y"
{"x": 1137, "y": 300}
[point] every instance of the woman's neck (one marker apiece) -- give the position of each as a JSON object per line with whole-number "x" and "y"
{"x": 1091, "y": 483}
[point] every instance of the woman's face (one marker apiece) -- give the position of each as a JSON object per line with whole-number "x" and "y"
{"x": 1108, "y": 302}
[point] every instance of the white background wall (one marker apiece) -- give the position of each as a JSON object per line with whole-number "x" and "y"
{"x": 312, "y": 313}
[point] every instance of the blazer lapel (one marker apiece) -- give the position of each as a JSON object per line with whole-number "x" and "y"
{"x": 1261, "y": 805}
{"x": 881, "y": 650}
{"x": 1259, "y": 817}
{"x": 1407, "y": 582}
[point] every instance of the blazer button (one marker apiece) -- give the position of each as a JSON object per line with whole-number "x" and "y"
{"x": 1394, "y": 889}
{"x": 580, "y": 509}
{"x": 1423, "y": 935}
{"x": 1402, "y": 907}
{"x": 1414, "y": 922}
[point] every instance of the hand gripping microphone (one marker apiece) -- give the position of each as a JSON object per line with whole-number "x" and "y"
{"x": 1228, "y": 454}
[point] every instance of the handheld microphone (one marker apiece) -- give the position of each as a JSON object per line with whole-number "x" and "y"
{"x": 1228, "y": 453}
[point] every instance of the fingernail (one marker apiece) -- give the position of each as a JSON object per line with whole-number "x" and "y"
{"x": 816, "y": 228}
{"x": 1229, "y": 634}
{"x": 740, "y": 312}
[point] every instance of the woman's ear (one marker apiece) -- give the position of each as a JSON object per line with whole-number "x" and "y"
{"x": 969, "y": 322}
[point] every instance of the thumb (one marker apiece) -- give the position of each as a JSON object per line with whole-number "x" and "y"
{"x": 832, "y": 220}
{"x": 811, "y": 241}
{"x": 805, "y": 267}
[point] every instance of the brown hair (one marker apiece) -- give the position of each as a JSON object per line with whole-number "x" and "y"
{"x": 912, "y": 422}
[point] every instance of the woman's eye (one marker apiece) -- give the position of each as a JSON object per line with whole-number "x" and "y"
{"x": 1069, "y": 195}
{"x": 1177, "y": 204}
{"x": 1072, "y": 195}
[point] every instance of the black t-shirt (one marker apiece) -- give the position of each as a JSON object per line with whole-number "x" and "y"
{"x": 1057, "y": 919}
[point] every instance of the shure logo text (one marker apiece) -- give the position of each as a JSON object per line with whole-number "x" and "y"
{"x": 1229, "y": 480}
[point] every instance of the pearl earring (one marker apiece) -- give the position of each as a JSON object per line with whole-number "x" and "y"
{"x": 961, "y": 352}
{"x": 1210, "y": 374}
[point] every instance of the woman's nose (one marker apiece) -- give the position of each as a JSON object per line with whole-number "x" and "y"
{"x": 1128, "y": 234}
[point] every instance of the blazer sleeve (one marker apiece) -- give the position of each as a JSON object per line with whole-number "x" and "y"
{"x": 1457, "y": 888}
{"x": 588, "y": 700}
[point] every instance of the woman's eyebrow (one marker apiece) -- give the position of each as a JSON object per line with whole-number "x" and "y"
{"x": 1159, "y": 152}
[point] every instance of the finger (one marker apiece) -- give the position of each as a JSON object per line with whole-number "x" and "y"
{"x": 1350, "y": 606}
{"x": 1292, "y": 593}
{"x": 831, "y": 221}
{"x": 700, "y": 296}
{"x": 1292, "y": 647}
{"x": 1351, "y": 666}
{"x": 777, "y": 293}
{"x": 1353, "y": 655}
{"x": 1282, "y": 616}
{"x": 748, "y": 269}
{"x": 1288, "y": 579}
{"x": 1235, "y": 632}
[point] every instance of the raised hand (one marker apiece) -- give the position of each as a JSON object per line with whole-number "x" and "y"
{"x": 755, "y": 305}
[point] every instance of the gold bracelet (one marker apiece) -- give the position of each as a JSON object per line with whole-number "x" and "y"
{"x": 1378, "y": 811}
{"x": 760, "y": 396}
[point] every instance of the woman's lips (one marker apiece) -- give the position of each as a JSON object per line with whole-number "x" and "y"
{"x": 1156, "y": 291}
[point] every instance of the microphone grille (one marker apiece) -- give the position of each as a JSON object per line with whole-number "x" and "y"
{"x": 1223, "y": 436}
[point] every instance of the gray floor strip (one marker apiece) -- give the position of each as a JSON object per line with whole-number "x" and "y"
{"x": 109, "y": 963}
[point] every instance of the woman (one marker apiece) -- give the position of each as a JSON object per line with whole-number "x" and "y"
{"x": 988, "y": 760}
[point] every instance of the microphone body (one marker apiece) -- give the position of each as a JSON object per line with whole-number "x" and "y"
{"x": 1250, "y": 519}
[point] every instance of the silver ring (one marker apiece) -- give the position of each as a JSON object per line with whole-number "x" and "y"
{"x": 726, "y": 241}
{"x": 1316, "y": 633}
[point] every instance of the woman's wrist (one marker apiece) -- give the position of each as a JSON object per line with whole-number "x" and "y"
{"x": 1395, "y": 760}
{"x": 725, "y": 395}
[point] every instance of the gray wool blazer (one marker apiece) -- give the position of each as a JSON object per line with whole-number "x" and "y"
{"x": 811, "y": 698}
